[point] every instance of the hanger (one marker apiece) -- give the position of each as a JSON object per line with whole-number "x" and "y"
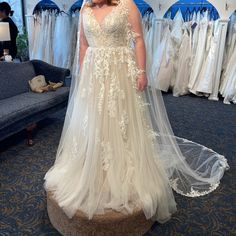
{"x": 64, "y": 12}
{"x": 187, "y": 14}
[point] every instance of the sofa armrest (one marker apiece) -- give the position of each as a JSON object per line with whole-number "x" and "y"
{"x": 51, "y": 73}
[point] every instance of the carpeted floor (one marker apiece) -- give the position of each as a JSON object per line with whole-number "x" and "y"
{"x": 213, "y": 124}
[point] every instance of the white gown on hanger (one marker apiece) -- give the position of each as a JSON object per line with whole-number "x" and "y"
{"x": 200, "y": 54}
{"x": 228, "y": 57}
{"x": 49, "y": 30}
{"x": 176, "y": 37}
{"x": 230, "y": 40}
{"x": 228, "y": 87}
{"x": 38, "y": 42}
{"x": 183, "y": 66}
{"x": 37, "y": 35}
{"x": 31, "y": 33}
{"x": 163, "y": 61}
{"x": 61, "y": 47}
{"x": 195, "y": 33}
{"x": 110, "y": 156}
{"x": 207, "y": 76}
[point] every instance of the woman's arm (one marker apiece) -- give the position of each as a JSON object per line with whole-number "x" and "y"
{"x": 140, "y": 50}
{"x": 83, "y": 44}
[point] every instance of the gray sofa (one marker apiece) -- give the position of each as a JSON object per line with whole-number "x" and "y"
{"x": 19, "y": 107}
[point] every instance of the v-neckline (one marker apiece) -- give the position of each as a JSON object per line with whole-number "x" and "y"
{"x": 105, "y": 17}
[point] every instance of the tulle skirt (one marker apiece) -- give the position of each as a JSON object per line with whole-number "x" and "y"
{"x": 107, "y": 158}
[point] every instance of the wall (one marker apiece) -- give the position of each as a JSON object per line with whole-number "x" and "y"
{"x": 159, "y": 6}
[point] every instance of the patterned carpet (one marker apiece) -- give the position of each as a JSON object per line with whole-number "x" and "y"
{"x": 22, "y": 197}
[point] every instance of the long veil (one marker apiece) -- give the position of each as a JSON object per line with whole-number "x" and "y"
{"x": 193, "y": 169}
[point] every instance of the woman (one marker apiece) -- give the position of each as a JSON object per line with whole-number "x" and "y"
{"x": 9, "y": 47}
{"x": 117, "y": 150}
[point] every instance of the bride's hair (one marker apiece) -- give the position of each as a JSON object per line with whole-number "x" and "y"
{"x": 109, "y": 3}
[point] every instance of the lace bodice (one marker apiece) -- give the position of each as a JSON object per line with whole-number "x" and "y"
{"x": 111, "y": 32}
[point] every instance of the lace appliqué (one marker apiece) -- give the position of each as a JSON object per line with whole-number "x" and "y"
{"x": 110, "y": 32}
{"x": 113, "y": 95}
{"x": 74, "y": 147}
{"x": 124, "y": 124}
{"x": 140, "y": 101}
{"x": 105, "y": 77}
{"x": 85, "y": 125}
{"x": 193, "y": 192}
{"x": 106, "y": 155}
{"x": 101, "y": 97}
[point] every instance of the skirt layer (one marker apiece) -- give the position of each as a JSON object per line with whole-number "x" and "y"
{"x": 106, "y": 158}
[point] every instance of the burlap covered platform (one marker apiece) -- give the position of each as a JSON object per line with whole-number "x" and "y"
{"x": 111, "y": 223}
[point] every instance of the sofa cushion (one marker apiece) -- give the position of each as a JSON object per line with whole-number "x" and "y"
{"x": 14, "y": 78}
{"x": 20, "y": 106}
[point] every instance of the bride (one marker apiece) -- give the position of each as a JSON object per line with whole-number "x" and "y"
{"x": 117, "y": 150}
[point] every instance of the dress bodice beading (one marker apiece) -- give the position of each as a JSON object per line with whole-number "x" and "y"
{"x": 111, "y": 32}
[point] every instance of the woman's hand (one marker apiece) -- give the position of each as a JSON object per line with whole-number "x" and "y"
{"x": 142, "y": 83}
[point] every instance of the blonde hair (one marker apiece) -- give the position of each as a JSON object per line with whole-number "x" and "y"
{"x": 109, "y": 3}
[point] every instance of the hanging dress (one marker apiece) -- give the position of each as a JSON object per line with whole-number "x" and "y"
{"x": 228, "y": 88}
{"x": 176, "y": 36}
{"x": 207, "y": 76}
{"x": 183, "y": 66}
{"x": 200, "y": 54}
{"x": 163, "y": 61}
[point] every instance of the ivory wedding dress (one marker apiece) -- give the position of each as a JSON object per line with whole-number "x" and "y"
{"x": 117, "y": 150}
{"x": 183, "y": 73}
{"x": 200, "y": 54}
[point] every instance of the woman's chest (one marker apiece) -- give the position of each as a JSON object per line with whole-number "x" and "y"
{"x": 113, "y": 22}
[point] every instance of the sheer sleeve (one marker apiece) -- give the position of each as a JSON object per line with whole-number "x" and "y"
{"x": 136, "y": 26}
{"x": 83, "y": 44}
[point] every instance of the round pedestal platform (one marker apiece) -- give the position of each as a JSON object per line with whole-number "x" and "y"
{"x": 111, "y": 223}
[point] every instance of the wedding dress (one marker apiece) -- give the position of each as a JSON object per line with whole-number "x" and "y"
{"x": 38, "y": 43}
{"x": 73, "y": 40}
{"x": 61, "y": 47}
{"x": 176, "y": 37}
{"x": 200, "y": 54}
{"x": 228, "y": 86}
{"x": 31, "y": 27}
{"x": 117, "y": 150}
{"x": 230, "y": 40}
{"x": 163, "y": 61}
{"x": 229, "y": 57}
{"x": 195, "y": 33}
{"x": 183, "y": 66}
{"x": 207, "y": 75}
{"x": 49, "y": 37}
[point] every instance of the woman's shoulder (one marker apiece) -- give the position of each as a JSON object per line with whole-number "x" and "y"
{"x": 9, "y": 20}
{"x": 85, "y": 7}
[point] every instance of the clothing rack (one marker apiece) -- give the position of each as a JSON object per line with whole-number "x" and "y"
{"x": 189, "y": 8}
{"x": 193, "y": 3}
{"x": 64, "y": 13}
{"x": 147, "y": 11}
{"x": 39, "y": 8}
